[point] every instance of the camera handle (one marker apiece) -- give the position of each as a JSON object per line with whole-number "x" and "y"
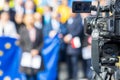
{"x": 95, "y": 50}
{"x": 95, "y": 76}
{"x": 95, "y": 55}
{"x": 100, "y": 72}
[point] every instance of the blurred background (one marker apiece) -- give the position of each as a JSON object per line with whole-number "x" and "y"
{"x": 48, "y": 28}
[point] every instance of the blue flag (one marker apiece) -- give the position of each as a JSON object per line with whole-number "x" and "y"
{"x": 50, "y": 57}
{"x": 9, "y": 59}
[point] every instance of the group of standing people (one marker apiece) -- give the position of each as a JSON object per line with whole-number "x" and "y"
{"x": 30, "y": 27}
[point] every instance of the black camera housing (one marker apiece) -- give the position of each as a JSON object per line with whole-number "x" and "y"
{"x": 105, "y": 32}
{"x": 81, "y": 7}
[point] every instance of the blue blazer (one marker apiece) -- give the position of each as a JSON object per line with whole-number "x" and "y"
{"x": 75, "y": 28}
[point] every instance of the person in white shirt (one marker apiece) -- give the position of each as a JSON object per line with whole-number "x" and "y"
{"x": 7, "y": 27}
{"x": 19, "y": 6}
{"x": 38, "y": 20}
{"x": 29, "y": 7}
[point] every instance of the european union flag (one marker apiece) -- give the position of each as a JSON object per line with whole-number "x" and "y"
{"x": 9, "y": 59}
{"x": 50, "y": 55}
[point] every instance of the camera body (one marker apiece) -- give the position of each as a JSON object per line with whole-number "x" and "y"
{"x": 105, "y": 32}
{"x": 107, "y": 24}
{"x": 109, "y": 27}
{"x": 104, "y": 24}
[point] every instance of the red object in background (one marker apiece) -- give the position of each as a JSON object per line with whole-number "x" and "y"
{"x": 75, "y": 42}
{"x": 90, "y": 40}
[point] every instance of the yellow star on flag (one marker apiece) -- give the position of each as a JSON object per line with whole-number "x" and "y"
{"x": 1, "y": 72}
{"x": 7, "y": 78}
{"x": 7, "y": 46}
{"x": 1, "y": 53}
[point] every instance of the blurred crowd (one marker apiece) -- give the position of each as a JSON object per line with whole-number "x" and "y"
{"x": 31, "y": 21}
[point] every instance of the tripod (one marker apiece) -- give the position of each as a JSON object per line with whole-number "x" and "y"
{"x": 106, "y": 74}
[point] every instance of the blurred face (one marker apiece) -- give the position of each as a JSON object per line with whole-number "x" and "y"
{"x": 54, "y": 15}
{"x": 29, "y": 5}
{"x": 65, "y": 2}
{"x": 72, "y": 14}
{"x": 37, "y": 16}
{"x": 47, "y": 9}
{"x": 4, "y": 16}
{"x": 20, "y": 2}
{"x": 19, "y": 18}
{"x": 102, "y": 2}
{"x": 29, "y": 19}
{"x": 6, "y": 5}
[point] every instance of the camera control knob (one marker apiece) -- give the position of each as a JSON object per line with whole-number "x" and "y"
{"x": 95, "y": 34}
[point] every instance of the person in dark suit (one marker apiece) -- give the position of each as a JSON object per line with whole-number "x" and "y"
{"x": 73, "y": 40}
{"x": 18, "y": 21}
{"x": 31, "y": 39}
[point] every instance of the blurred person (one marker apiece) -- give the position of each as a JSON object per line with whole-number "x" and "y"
{"x": 31, "y": 40}
{"x": 63, "y": 14}
{"x": 7, "y": 27}
{"x": 11, "y": 11}
{"x": 38, "y": 20}
{"x": 64, "y": 11}
{"x": 19, "y": 6}
{"x": 73, "y": 40}
{"x": 1, "y": 4}
{"x": 55, "y": 22}
{"x": 86, "y": 54}
{"x": 39, "y": 6}
{"x": 29, "y": 7}
{"x": 86, "y": 50}
{"x": 18, "y": 21}
{"x": 53, "y": 27}
{"x": 47, "y": 14}
{"x": 103, "y": 2}
{"x": 53, "y": 3}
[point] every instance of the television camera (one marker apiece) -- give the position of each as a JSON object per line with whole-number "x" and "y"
{"x": 105, "y": 32}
